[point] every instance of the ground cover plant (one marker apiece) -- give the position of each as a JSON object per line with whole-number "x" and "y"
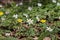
{"x": 33, "y": 20}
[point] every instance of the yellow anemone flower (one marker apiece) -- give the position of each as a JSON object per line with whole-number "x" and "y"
{"x": 19, "y": 20}
{"x": 1, "y": 13}
{"x": 42, "y": 21}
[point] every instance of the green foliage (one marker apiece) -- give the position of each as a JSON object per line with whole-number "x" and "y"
{"x": 48, "y": 8}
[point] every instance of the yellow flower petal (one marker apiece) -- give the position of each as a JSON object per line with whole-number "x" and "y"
{"x": 19, "y": 20}
{"x": 1, "y": 13}
{"x": 43, "y": 21}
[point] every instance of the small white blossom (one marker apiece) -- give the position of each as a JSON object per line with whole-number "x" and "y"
{"x": 29, "y": 21}
{"x": 1, "y": 5}
{"x": 58, "y": 4}
{"x": 39, "y": 4}
{"x": 26, "y": 15}
{"x": 15, "y": 16}
{"x": 2, "y": 18}
{"x": 17, "y": 4}
{"x": 49, "y": 29}
{"x": 30, "y": 8}
{"x": 7, "y": 34}
{"x": 20, "y": 3}
{"x": 54, "y": 1}
{"x": 59, "y": 17}
{"x": 7, "y": 12}
{"x": 37, "y": 18}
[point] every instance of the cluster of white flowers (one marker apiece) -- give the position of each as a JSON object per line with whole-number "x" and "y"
{"x": 29, "y": 21}
{"x": 49, "y": 29}
{"x": 7, "y": 34}
{"x": 21, "y": 3}
{"x": 30, "y": 8}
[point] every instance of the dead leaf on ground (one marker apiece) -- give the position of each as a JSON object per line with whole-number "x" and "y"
{"x": 47, "y": 38}
{"x": 35, "y": 38}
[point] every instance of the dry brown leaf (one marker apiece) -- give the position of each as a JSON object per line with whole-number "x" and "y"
{"x": 47, "y": 38}
{"x": 35, "y": 38}
{"x": 58, "y": 36}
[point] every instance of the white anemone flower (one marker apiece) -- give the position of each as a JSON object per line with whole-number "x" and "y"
{"x": 7, "y": 12}
{"x": 15, "y": 16}
{"x": 2, "y": 18}
{"x": 39, "y": 4}
{"x": 7, "y": 34}
{"x": 58, "y": 4}
{"x": 29, "y": 21}
{"x": 30, "y": 8}
{"x": 49, "y": 29}
{"x": 1, "y": 5}
{"x": 21, "y": 3}
{"x": 59, "y": 17}
{"x": 26, "y": 15}
{"x": 37, "y": 18}
{"x": 17, "y": 4}
{"x": 54, "y": 1}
